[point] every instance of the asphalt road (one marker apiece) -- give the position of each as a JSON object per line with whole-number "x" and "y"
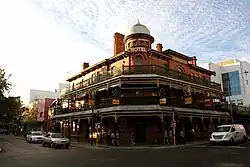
{"x": 19, "y": 153}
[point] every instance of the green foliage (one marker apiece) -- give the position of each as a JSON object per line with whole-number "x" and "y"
{"x": 5, "y": 84}
{"x": 10, "y": 107}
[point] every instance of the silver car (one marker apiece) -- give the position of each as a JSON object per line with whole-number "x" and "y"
{"x": 34, "y": 137}
{"x": 55, "y": 140}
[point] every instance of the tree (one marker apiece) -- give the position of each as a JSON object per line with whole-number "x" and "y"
{"x": 29, "y": 113}
{"x": 10, "y": 106}
{"x": 5, "y": 84}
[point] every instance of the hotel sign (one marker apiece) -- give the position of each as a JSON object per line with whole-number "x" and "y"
{"x": 138, "y": 49}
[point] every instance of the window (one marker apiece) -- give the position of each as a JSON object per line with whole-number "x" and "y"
{"x": 240, "y": 102}
{"x": 233, "y": 101}
{"x": 180, "y": 70}
{"x": 247, "y": 82}
{"x": 231, "y": 83}
{"x": 113, "y": 70}
{"x": 138, "y": 60}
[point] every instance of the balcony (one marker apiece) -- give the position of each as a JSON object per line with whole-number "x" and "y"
{"x": 145, "y": 69}
{"x": 146, "y": 100}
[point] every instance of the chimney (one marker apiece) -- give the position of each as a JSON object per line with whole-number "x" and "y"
{"x": 119, "y": 45}
{"x": 85, "y": 65}
{"x": 194, "y": 60}
{"x": 159, "y": 47}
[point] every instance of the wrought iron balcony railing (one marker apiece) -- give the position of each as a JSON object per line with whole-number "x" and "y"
{"x": 144, "y": 100}
{"x": 145, "y": 69}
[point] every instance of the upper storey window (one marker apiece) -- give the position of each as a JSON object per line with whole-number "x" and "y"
{"x": 180, "y": 70}
{"x": 138, "y": 60}
{"x": 113, "y": 70}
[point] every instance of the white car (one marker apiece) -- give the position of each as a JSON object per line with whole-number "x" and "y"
{"x": 229, "y": 133}
{"x": 34, "y": 137}
{"x": 55, "y": 140}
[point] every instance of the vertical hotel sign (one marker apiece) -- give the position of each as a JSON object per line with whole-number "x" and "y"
{"x": 188, "y": 94}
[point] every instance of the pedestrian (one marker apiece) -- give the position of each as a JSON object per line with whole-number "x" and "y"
{"x": 182, "y": 137}
{"x": 113, "y": 138}
{"x": 117, "y": 138}
{"x": 132, "y": 138}
{"x": 108, "y": 138}
{"x": 170, "y": 136}
{"x": 166, "y": 141}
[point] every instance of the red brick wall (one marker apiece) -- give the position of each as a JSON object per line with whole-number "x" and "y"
{"x": 119, "y": 45}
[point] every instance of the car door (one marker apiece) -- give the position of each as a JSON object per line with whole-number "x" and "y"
{"x": 237, "y": 133}
{"x": 242, "y": 132}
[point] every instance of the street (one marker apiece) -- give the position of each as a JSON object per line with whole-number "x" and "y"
{"x": 17, "y": 152}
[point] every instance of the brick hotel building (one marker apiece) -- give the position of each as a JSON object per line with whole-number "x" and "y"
{"x": 138, "y": 89}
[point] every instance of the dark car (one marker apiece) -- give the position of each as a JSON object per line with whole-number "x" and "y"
{"x": 4, "y": 131}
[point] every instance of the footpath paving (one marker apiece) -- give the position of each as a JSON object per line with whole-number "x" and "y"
{"x": 87, "y": 145}
{"x": 141, "y": 147}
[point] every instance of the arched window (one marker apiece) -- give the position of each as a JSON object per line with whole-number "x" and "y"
{"x": 138, "y": 60}
{"x": 180, "y": 69}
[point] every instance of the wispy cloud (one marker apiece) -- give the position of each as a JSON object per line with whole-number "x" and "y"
{"x": 201, "y": 27}
{"x": 61, "y": 34}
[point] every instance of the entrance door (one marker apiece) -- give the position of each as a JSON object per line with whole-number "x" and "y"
{"x": 140, "y": 131}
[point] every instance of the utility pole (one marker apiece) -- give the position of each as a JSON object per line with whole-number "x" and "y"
{"x": 92, "y": 126}
{"x": 97, "y": 128}
{"x": 173, "y": 124}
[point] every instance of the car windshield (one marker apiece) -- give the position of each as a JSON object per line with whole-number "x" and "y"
{"x": 36, "y": 133}
{"x": 223, "y": 129}
{"x": 56, "y": 136}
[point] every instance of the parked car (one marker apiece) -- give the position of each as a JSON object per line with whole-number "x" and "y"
{"x": 229, "y": 133}
{"x": 4, "y": 131}
{"x": 34, "y": 137}
{"x": 55, "y": 140}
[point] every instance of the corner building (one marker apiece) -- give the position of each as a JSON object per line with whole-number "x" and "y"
{"x": 138, "y": 90}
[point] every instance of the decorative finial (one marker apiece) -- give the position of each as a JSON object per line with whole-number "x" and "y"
{"x": 138, "y": 21}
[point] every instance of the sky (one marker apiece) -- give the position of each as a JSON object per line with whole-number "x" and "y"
{"x": 42, "y": 42}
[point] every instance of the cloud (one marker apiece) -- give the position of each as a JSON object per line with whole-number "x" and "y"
{"x": 67, "y": 32}
{"x": 200, "y": 27}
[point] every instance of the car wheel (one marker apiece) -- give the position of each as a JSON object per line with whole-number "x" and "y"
{"x": 231, "y": 141}
{"x": 43, "y": 144}
{"x": 67, "y": 146}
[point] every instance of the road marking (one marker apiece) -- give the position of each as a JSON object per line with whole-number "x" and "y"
{"x": 7, "y": 143}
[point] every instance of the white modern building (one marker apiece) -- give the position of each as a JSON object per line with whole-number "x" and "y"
{"x": 234, "y": 77}
{"x": 42, "y": 94}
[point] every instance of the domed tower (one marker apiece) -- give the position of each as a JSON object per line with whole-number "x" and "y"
{"x": 138, "y": 42}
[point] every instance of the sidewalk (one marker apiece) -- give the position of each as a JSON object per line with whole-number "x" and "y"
{"x": 87, "y": 145}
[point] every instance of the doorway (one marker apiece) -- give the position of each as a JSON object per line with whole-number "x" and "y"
{"x": 140, "y": 130}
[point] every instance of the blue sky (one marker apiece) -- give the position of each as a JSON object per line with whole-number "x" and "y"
{"x": 44, "y": 41}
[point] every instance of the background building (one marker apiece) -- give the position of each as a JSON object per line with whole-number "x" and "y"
{"x": 234, "y": 79}
{"x": 42, "y": 116}
{"x": 42, "y": 94}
